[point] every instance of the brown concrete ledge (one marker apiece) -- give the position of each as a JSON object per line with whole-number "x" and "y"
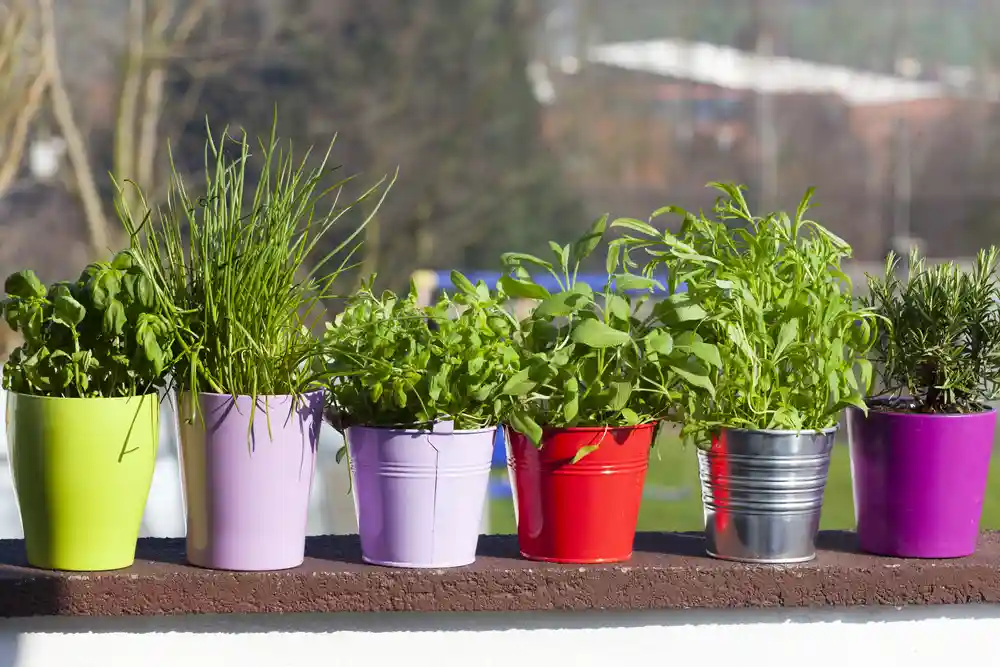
{"x": 668, "y": 571}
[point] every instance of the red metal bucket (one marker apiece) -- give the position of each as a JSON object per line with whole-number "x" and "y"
{"x": 583, "y": 512}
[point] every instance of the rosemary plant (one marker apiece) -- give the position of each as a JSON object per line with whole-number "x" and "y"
{"x": 939, "y": 351}
{"x": 235, "y": 279}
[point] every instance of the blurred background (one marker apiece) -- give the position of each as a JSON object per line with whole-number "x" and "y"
{"x": 511, "y": 122}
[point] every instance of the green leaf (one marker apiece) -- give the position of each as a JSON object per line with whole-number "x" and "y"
{"x": 524, "y": 424}
{"x": 865, "y": 367}
{"x": 570, "y": 407}
{"x": 513, "y": 259}
{"x": 582, "y": 452}
{"x": 144, "y": 291}
{"x": 561, "y": 304}
{"x": 562, "y": 254}
{"x": 703, "y": 351}
{"x": 68, "y": 311}
{"x": 123, "y": 260}
{"x": 619, "y": 308}
{"x": 629, "y": 282}
{"x": 613, "y": 258}
{"x": 25, "y": 285}
{"x": 660, "y": 342}
{"x": 597, "y": 334}
{"x": 619, "y": 395}
{"x": 643, "y": 228}
{"x": 788, "y": 333}
{"x": 586, "y": 244}
{"x": 114, "y": 318}
{"x": 463, "y": 284}
{"x": 519, "y": 384}
{"x": 693, "y": 374}
{"x": 678, "y": 309}
{"x": 630, "y": 416}
{"x": 522, "y": 289}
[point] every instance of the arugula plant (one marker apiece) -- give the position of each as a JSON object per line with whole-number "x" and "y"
{"x": 940, "y": 348}
{"x": 100, "y": 336}
{"x": 769, "y": 294}
{"x": 596, "y": 359}
{"x": 397, "y": 364}
{"x": 236, "y": 275}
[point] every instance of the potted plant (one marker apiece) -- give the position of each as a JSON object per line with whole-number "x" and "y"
{"x": 921, "y": 455}
{"x": 418, "y": 392}
{"x": 597, "y": 374}
{"x": 235, "y": 274}
{"x": 780, "y": 312}
{"x": 83, "y": 411}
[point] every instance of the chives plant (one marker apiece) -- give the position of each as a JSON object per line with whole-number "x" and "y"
{"x": 235, "y": 278}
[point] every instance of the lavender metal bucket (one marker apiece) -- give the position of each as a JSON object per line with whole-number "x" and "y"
{"x": 247, "y": 493}
{"x": 420, "y": 494}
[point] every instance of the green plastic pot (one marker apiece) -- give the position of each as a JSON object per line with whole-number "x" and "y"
{"x": 82, "y": 469}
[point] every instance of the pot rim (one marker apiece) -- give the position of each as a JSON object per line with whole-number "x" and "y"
{"x": 401, "y": 430}
{"x": 927, "y": 415}
{"x": 182, "y": 392}
{"x": 591, "y": 429}
{"x": 785, "y": 432}
{"x": 39, "y": 397}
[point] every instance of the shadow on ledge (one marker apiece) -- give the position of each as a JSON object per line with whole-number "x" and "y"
{"x": 347, "y": 548}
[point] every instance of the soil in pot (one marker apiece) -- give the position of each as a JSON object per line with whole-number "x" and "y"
{"x": 419, "y": 494}
{"x": 82, "y": 468}
{"x": 583, "y": 512}
{"x": 247, "y": 488}
{"x": 919, "y": 479}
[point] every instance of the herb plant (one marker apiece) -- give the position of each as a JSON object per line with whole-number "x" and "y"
{"x": 939, "y": 351}
{"x": 769, "y": 294}
{"x": 236, "y": 279}
{"x": 596, "y": 359}
{"x": 397, "y": 364}
{"x": 101, "y": 336}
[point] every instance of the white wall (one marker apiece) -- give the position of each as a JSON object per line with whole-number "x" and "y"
{"x": 856, "y": 637}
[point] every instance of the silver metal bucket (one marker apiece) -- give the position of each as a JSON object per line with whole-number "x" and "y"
{"x": 763, "y": 492}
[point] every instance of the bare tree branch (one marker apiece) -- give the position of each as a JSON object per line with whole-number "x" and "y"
{"x": 23, "y": 81}
{"x": 76, "y": 147}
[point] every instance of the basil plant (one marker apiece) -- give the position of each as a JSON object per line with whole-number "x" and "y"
{"x": 597, "y": 358}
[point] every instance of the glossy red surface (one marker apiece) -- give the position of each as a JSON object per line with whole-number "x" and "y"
{"x": 583, "y": 512}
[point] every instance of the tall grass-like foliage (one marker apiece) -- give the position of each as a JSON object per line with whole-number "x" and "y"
{"x": 939, "y": 351}
{"x": 236, "y": 273}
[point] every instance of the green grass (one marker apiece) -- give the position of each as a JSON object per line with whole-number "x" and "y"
{"x": 674, "y": 469}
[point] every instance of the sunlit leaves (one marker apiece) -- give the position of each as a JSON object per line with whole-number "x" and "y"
{"x": 453, "y": 359}
{"x": 94, "y": 337}
{"x": 770, "y": 337}
{"x": 592, "y": 359}
{"x": 597, "y": 334}
{"x": 940, "y": 344}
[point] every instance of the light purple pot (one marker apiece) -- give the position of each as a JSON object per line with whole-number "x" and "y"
{"x": 420, "y": 495}
{"x": 247, "y": 494}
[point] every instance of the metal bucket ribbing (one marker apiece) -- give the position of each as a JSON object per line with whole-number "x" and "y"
{"x": 763, "y": 493}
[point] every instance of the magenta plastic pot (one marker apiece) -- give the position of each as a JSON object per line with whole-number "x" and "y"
{"x": 247, "y": 492}
{"x": 919, "y": 481}
{"x": 420, "y": 495}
